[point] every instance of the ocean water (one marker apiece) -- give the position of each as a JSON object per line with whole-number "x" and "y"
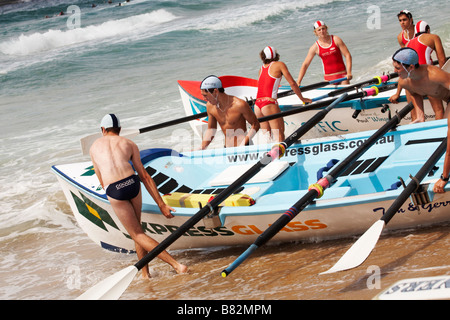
{"x": 60, "y": 74}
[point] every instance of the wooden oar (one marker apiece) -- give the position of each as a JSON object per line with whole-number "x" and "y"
{"x": 362, "y": 248}
{"x": 115, "y": 285}
{"x": 316, "y": 190}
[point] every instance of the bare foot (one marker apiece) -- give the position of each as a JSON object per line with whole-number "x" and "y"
{"x": 181, "y": 268}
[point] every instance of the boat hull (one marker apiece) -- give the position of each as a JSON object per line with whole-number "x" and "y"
{"x": 357, "y": 199}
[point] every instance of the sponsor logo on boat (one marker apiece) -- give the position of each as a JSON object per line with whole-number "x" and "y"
{"x": 428, "y": 207}
{"x": 310, "y": 150}
{"x": 246, "y": 230}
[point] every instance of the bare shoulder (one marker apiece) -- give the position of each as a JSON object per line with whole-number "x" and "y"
{"x": 240, "y": 103}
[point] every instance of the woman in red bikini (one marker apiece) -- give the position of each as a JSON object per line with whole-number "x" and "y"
{"x": 331, "y": 50}
{"x": 269, "y": 80}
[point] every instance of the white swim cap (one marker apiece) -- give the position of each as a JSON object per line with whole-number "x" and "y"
{"x": 421, "y": 27}
{"x": 270, "y": 52}
{"x": 318, "y": 24}
{"x": 211, "y": 82}
{"x": 110, "y": 121}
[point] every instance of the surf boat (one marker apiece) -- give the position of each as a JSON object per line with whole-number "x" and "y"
{"x": 356, "y": 115}
{"x": 188, "y": 180}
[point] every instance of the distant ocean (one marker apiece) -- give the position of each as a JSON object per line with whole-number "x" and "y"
{"x": 60, "y": 74}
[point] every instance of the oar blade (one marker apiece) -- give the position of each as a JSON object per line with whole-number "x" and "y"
{"x": 112, "y": 287}
{"x": 360, "y": 250}
{"x": 86, "y": 142}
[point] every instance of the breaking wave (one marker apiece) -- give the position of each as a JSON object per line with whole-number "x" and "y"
{"x": 113, "y": 29}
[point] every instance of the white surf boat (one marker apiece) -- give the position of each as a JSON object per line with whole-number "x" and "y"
{"x": 353, "y": 203}
{"x": 356, "y": 115}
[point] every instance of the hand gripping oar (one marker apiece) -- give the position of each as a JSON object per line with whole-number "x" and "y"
{"x": 316, "y": 190}
{"x": 362, "y": 248}
{"x": 374, "y": 80}
{"x": 115, "y": 285}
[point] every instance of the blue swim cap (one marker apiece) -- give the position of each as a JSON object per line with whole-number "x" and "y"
{"x": 406, "y": 56}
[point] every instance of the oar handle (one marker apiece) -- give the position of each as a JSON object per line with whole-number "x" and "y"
{"x": 173, "y": 122}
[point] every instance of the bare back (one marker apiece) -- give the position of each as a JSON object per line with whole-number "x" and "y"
{"x": 430, "y": 81}
{"x": 111, "y": 155}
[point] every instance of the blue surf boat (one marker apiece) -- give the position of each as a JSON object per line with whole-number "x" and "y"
{"x": 188, "y": 180}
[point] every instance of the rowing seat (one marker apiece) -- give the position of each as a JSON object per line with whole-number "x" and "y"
{"x": 232, "y": 173}
{"x": 192, "y": 200}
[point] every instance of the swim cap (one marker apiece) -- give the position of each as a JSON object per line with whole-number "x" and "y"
{"x": 270, "y": 52}
{"x": 318, "y": 24}
{"x": 421, "y": 27}
{"x": 211, "y": 82}
{"x": 110, "y": 121}
{"x": 406, "y": 56}
{"x": 406, "y": 12}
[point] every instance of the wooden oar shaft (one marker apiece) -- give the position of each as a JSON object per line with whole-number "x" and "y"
{"x": 173, "y": 122}
{"x": 309, "y": 87}
{"x": 415, "y": 182}
{"x": 218, "y": 199}
{"x": 393, "y": 122}
{"x": 313, "y": 193}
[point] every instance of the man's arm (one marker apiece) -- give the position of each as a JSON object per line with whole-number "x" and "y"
{"x": 306, "y": 63}
{"x": 250, "y": 117}
{"x": 346, "y": 53}
{"x": 96, "y": 168}
{"x": 211, "y": 130}
{"x": 285, "y": 72}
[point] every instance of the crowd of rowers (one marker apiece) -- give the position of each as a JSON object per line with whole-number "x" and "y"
{"x": 413, "y": 63}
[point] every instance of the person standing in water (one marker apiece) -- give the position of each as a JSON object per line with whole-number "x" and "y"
{"x": 111, "y": 156}
{"x": 270, "y": 75}
{"x": 331, "y": 49}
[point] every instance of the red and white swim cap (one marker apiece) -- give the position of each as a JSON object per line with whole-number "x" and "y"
{"x": 270, "y": 52}
{"x": 421, "y": 27}
{"x": 318, "y": 24}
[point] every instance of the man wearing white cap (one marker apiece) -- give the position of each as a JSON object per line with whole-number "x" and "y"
{"x": 331, "y": 49}
{"x": 111, "y": 156}
{"x": 230, "y": 112}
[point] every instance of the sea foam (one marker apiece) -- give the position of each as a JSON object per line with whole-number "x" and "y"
{"x": 114, "y": 29}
